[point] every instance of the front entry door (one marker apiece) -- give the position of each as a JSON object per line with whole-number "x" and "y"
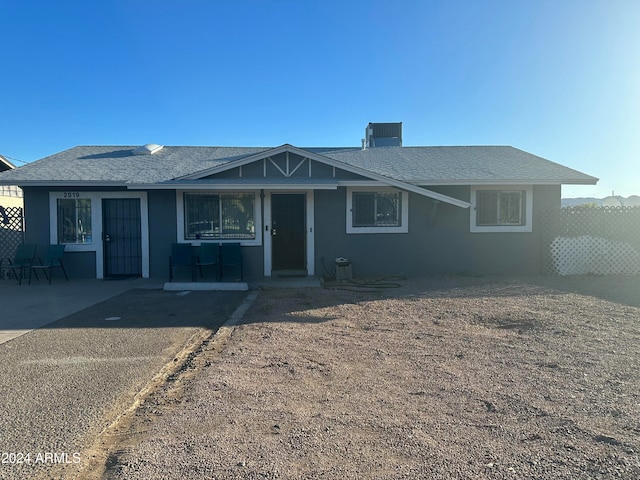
{"x": 122, "y": 237}
{"x": 288, "y": 231}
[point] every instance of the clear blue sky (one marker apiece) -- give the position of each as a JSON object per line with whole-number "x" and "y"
{"x": 557, "y": 78}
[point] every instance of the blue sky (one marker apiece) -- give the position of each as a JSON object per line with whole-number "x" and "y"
{"x": 557, "y": 78}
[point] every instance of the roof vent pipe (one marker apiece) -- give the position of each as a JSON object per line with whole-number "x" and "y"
{"x": 364, "y": 144}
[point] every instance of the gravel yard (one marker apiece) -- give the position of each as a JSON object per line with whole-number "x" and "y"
{"x": 450, "y": 377}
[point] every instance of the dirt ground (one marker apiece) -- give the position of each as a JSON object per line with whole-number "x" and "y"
{"x": 449, "y": 377}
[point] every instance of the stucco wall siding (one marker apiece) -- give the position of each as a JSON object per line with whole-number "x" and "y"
{"x": 162, "y": 230}
{"x": 433, "y": 245}
{"x": 438, "y": 239}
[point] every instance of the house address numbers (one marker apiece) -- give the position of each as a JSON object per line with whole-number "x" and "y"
{"x": 71, "y": 195}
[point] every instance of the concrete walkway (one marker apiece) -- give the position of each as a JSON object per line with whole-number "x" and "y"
{"x": 26, "y": 307}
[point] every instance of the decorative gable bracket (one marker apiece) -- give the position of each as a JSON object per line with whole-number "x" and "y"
{"x": 286, "y": 170}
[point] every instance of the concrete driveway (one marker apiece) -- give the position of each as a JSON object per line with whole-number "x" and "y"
{"x": 62, "y": 383}
{"x": 25, "y": 307}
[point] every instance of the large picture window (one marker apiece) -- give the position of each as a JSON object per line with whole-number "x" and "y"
{"x": 219, "y": 216}
{"x": 377, "y": 210}
{"x": 501, "y": 210}
{"x": 74, "y": 220}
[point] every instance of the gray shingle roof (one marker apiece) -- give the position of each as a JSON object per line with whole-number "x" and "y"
{"x": 418, "y": 165}
{"x": 119, "y": 164}
{"x": 456, "y": 165}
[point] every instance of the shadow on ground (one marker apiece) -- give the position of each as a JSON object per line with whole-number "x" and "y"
{"x": 143, "y": 308}
{"x": 154, "y": 308}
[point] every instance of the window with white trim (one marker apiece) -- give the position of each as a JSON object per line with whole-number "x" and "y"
{"x": 499, "y": 209}
{"x": 74, "y": 220}
{"x": 219, "y": 216}
{"x": 376, "y": 210}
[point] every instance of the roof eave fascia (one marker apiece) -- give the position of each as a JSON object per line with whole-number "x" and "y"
{"x": 334, "y": 163}
{"x": 62, "y": 183}
{"x": 359, "y": 183}
{"x": 592, "y": 181}
{"x": 505, "y": 182}
{"x": 230, "y": 186}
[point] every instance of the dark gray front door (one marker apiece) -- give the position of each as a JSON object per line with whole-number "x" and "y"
{"x": 122, "y": 237}
{"x": 288, "y": 239}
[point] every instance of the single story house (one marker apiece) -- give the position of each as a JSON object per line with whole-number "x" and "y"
{"x": 388, "y": 208}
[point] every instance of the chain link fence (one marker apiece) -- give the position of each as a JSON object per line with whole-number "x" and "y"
{"x": 592, "y": 240}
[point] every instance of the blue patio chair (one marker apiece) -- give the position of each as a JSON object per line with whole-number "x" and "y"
{"x": 181, "y": 256}
{"x": 22, "y": 260}
{"x": 230, "y": 256}
{"x": 52, "y": 260}
{"x": 209, "y": 256}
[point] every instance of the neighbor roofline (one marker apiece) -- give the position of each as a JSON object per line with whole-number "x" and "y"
{"x": 6, "y": 162}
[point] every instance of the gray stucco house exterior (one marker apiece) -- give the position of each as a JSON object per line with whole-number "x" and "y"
{"x": 388, "y": 208}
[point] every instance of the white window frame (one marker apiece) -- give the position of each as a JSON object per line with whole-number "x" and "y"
{"x": 404, "y": 214}
{"x": 96, "y": 219}
{"x": 528, "y": 225}
{"x": 257, "y": 218}
{"x": 75, "y": 197}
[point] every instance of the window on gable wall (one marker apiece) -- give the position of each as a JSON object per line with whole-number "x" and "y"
{"x": 219, "y": 216}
